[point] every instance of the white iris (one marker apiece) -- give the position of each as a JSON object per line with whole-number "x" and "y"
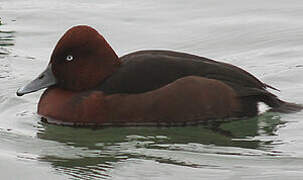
{"x": 69, "y": 57}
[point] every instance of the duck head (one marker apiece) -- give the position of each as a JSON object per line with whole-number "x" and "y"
{"x": 81, "y": 60}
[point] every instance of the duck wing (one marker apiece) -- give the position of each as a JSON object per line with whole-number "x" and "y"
{"x": 144, "y": 71}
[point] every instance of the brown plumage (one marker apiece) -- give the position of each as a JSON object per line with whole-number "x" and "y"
{"x": 95, "y": 87}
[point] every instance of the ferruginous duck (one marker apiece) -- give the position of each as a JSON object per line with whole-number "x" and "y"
{"x": 88, "y": 84}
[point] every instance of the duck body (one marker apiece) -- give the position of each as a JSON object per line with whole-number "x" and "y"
{"x": 179, "y": 103}
{"x": 145, "y": 87}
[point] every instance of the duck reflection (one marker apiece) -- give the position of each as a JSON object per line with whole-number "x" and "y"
{"x": 93, "y": 151}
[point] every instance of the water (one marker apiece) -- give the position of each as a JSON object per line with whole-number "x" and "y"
{"x": 264, "y": 38}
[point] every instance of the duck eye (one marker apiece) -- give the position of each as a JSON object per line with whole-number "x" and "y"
{"x": 69, "y": 58}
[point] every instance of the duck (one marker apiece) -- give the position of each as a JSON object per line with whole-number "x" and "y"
{"x": 88, "y": 84}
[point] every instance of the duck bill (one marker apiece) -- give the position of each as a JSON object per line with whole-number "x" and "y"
{"x": 44, "y": 80}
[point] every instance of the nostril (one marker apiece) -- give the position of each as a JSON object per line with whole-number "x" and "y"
{"x": 41, "y": 76}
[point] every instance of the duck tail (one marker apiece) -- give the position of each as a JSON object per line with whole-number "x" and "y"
{"x": 278, "y": 105}
{"x": 287, "y": 107}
